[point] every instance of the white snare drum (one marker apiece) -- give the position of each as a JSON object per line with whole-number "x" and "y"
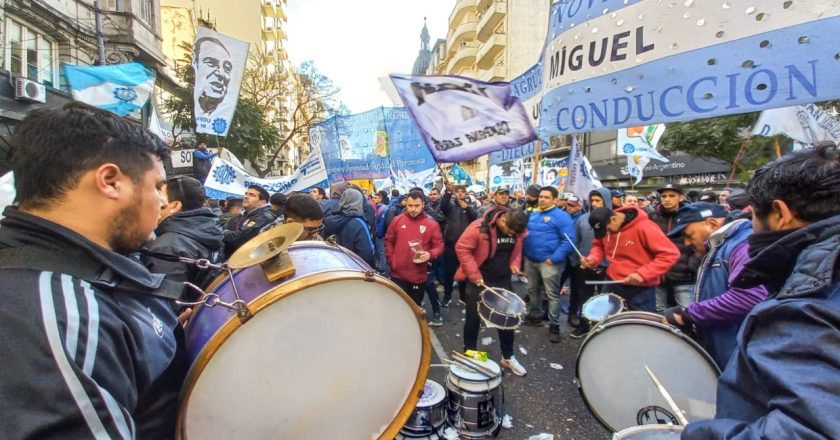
{"x": 601, "y": 307}
{"x": 475, "y": 401}
{"x": 614, "y": 384}
{"x": 333, "y": 351}
{"x": 430, "y": 413}
{"x": 650, "y": 432}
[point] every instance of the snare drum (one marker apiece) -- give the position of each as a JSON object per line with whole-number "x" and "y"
{"x": 430, "y": 413}
{"x": 614, "y": 384}
{"x": 475, "y": 401}
{"x": 317, "y": 358}
{"x": 601, "y": 307}
{"x": 501, "y": 308}
{"x": 650, "y": 432}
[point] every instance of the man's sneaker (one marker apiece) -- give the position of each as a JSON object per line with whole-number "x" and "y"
{"x": 523, "y": 279}
{"x": 437, "y": 321}
{"x": 461, "y": 302}
{"x": 446, "y": 302}
{"x": 554, "y": 334}
{"x": 514, "y": 366}
{"x": 532, "y": 321}
{"x": 579, "y": 332}
{"x": 573, "y": 320}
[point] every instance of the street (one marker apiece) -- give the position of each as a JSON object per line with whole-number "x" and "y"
{"x": 546, "y": 400}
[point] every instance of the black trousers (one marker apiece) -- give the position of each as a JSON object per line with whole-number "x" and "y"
{"x": 580, "y": 291}
{"x": 415, "y": 291}
{"x": 472, "y": 321}
{"x": 451, "y": 264}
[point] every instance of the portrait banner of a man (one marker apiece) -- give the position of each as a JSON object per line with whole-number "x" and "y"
{"x": 219, "y": 62}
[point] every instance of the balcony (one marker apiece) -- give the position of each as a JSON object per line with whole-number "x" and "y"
{"x": 464, "y": 33}
{"x": 491, "y": 19}
{"x": 124, "y": 30}
{"x": 495, "y": 73}
{"x": 268, "y": 7}
{"x": 463, "y": 58}
{"x": 489, "y": 50}
{"x": 462, "y": 7}
{"x": 483, "y": 4}
{"x": 281, "y": 34}
{"x": 281, "y": 11}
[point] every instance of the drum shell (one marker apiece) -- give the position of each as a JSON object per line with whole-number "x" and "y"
{"x": 475, "y": 414}
{"x": 494, "y": 319}
{"x": 427, "y": 419}
{"x": 501, "y": 308}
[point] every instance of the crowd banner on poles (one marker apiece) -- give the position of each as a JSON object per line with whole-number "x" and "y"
{"x": 515, "y": 174}
{"x": 805, "y": 124}
{"x": 629, "y": 63}
{"x": 639, "y": 145}
{"x": 228, "y": 180}
{"x": 120, "y": 88}
{"x": 582, "y": 179}
{"x": 371, "y": 145}
{"x": 219, "y": 62}
{"x": 462, "y": 118}
{"x": 554, "y": 172}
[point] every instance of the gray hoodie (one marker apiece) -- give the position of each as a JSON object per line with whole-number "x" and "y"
{"x": 351, "y": 203}
{"x": 583, "y": 232}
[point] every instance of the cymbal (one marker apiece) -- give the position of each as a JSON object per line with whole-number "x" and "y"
{"x": 265, "y": 246}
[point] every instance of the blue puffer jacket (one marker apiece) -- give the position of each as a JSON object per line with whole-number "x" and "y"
{"x": 782, "y": 381}
{"x": 545, "y": 236}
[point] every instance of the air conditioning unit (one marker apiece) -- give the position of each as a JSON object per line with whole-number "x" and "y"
{"x": 28, "y": 90}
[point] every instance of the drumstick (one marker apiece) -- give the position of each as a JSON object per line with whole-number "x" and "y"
{"x": 667, "y": 397}
{"x": 467, "y": 366}
{"x": 473, "y": 363}
{"x": 494, "y": 292}
{"x": 573, "y": 245}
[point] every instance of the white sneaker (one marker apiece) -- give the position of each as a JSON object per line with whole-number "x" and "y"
{"x": 523, "y": 279}
{"x": 514, "y": 366}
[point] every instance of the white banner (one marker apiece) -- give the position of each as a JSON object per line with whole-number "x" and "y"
{"x": 582, "y": 178}
{"x": 219, "y": 62}
{"x": 227, "y": 180}
{"x": 805, "y": 124}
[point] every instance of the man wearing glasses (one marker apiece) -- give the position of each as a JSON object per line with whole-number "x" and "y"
{"x": 301, "y": 208}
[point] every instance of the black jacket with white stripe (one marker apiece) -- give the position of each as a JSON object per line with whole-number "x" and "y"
{"x": 79, "y": 359}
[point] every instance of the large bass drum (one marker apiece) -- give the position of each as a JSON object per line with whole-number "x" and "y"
{"x": 613, "y": 382}
{"x": 332, "y": 351}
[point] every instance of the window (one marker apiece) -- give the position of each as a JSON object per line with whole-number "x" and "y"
{"x": 114, "y": 5}
{"x": 146, "y": 8}
{"x": 29, "y": 54}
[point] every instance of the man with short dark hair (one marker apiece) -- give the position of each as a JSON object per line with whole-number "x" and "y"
{"x": 490, "y": 251}
{"x": 677, "y": 285}
{"x": 318, "y": 193}
{"x": 459, "y": 214}
{"x": 233, "y": 210}
{"x": 89, "y": 350}
{"x": 278, "y": 204}
{"x": 303, "y": 209}
{"x": 782, "y": 379}
{"x": 546, "y": 251}
{"x": 202, "y": 162}
{"x": 257, "y": 215}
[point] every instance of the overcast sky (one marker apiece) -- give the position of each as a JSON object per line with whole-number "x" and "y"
{"x": 354, "y": 42}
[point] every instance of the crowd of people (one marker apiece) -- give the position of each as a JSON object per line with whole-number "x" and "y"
{"x": 92, "y": 345}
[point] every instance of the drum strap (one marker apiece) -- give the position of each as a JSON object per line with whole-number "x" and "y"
{"x": 102, "y": 277}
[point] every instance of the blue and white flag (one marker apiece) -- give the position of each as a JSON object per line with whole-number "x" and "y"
{"x": 120, "y": 88}
{"x": 460, "y": 175}
{"x": 219, "y": 63}
{"x": 582, "y": 178}
{"x": 226, "y": 179}
{"x": 805, "y": 124}
{"x": 462, "y": 118}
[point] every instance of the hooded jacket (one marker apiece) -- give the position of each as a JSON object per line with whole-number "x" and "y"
{"x": 349, "y": 226}
{"x": 247, "y": 227}
{"x": 584, "y": 235}
{"x": 685, "y": 270}
{"x": 399, "y": 254}
{"x": 457, "y": 218}
{"x": 478, "y": 244}
{"x": 781, "y": 382}
{"x": 639, "y": 246}
{"x": 79, "y": 353}
{"x": 545, "y": 236}
{"x": 192, "y": 234}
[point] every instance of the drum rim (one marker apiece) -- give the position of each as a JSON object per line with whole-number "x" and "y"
{"x": 284, "y": 290}
{"x": 635, "y": 320}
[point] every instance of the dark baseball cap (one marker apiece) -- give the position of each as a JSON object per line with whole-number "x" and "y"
{"x": 503, "y": 189}
{"x": 617, "y": 192}
{"x": 708, "y": 196}
{"x": 696, "y": 212}
{"x": 670, "y": 187}
{"x": 599, "y": 218}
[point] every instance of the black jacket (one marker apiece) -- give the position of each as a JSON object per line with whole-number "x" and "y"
{"x": 685, "y": 270}
{"x": 193, "y": 234}
{"x": 246, "y": 228}
{"x": 457, "y": 218}
{"x": 81, "y": 355}
{"x": 353, "y": 233}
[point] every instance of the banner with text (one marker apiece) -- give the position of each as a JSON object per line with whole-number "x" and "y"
{"x": 228, "y": 180}
{"x": 805, "y": 124}
{"x": 554, "y": 172}
{"x": 620, "y": 63}
{"x": 371, "y": 145}
{"x": 515, "y": 173}
{"x": 462, "y": 118}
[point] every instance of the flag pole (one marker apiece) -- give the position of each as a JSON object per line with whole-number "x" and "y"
{"x": 737, "y": 158}
{"x": 536, "y": 168}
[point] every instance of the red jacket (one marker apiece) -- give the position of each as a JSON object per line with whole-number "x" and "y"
{"x": 640, "y": 246}
{"x": 477, "y": 244}
{"x": 402, "y": 229}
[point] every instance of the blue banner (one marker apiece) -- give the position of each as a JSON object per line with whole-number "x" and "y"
{"x": 371, "y": 145}
{"x": 653, "y": 62}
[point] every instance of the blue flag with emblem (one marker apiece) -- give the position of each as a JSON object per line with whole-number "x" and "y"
{"x": 120, "y": 88}
{"x": 460, "y": 175}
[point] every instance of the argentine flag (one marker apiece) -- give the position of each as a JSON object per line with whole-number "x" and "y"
{"x": 120, "y": 88}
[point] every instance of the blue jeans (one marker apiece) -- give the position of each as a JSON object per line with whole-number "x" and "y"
{"x": 683, "y": 296}
{"x": 543, "y": 277}
{"x": 642, "y": 298}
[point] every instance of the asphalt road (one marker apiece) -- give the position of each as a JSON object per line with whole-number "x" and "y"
{"x": 546, "y": 400}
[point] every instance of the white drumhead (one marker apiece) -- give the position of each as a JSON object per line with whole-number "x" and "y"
{"x": 336, "y": 360}
{"x": 650, "y": 432}
{"x": 600, "y": 307}
{"x": 469, "y": 380}
{"x": 613, "y": 381}
{"x": 433, "y": 393}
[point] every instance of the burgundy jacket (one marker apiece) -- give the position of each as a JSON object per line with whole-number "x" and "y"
{"x": 404, "y": 228}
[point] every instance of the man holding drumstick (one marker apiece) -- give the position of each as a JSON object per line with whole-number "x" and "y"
{"x": 490, "y": 252}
